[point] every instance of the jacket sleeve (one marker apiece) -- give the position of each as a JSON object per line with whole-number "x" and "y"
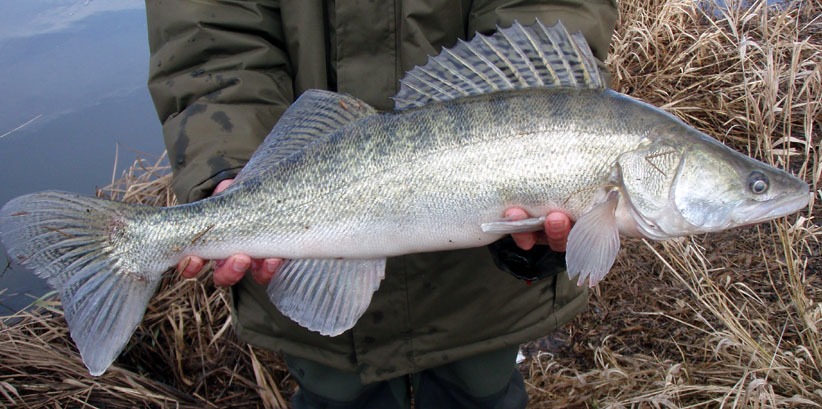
{"x": 220, "y": 79}
{"x": 596, "y": 19}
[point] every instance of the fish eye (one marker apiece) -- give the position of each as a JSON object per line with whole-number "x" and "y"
{"x": 757, "y": 182}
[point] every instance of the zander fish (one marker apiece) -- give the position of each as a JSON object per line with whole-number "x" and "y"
{"x": 519, "y": 118}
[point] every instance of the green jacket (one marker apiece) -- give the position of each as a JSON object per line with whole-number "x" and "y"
{"x": 222, "y": 73}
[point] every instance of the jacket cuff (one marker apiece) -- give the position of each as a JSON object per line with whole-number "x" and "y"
{"x": 530, "y": 265}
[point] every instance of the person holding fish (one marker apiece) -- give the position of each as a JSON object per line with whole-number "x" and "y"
{"x": 383, "y": 230}
{"x": 222, "y": 74}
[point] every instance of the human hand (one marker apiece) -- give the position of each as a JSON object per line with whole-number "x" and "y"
{"x": 555, "y": 234}
{"x": 229, "y": 271}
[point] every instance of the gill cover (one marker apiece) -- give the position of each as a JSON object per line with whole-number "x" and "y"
{"x": 648, "y": 174}
{"x": 707, "y": 190}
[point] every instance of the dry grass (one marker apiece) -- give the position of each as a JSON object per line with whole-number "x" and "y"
{"x": 722, "y": 320}
{"x": 184, "y": 354}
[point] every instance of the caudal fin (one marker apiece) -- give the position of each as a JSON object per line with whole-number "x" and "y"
{"x": 74, "y": 242}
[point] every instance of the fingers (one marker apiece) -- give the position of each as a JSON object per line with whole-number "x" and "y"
{"x": 190, "y": 266}
{"x": 524, "y": 241}
{"x": 557, "y": 228}
{"x": 221, "y": 186}
{"x": 229, "y": 271}
{"x": 263, "y": 270}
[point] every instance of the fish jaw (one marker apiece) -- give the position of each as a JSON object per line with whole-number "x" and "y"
{"x": 752, "y": 212}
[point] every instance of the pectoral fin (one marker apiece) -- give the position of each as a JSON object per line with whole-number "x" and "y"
{"x": 509, "y": 225}
{"x": 593, "y": 243}
{"x": 326, "y": 295}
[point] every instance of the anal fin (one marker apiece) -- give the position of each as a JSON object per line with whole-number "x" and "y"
{"x": 326, "y": 295}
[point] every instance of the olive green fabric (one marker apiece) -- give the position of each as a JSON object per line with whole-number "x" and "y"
{"x": 222, "y": 73}
{"x": 490, "y": 380}
{"x": 324, "y": 387}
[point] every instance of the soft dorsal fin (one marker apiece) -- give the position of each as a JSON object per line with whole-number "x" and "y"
{"x": 513, "y": 58}
{"x": 313, "y": 117}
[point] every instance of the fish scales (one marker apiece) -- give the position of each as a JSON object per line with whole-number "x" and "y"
{"x": 337, "y": 187}
{"x": 380, "y": 183}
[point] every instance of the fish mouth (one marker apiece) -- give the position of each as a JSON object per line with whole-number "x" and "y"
{"x": 757, "y": 212}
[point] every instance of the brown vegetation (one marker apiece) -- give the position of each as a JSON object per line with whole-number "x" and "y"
{"x": 721, "y": 320}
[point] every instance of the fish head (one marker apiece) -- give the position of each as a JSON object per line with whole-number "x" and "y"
{"x": 684, "y": 182}
{"x": 718, "y": 188}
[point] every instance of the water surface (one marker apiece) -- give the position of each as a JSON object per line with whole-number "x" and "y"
{"x": 74, "y": 86}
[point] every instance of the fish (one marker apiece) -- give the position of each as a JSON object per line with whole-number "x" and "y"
{"x": 522, "y": 117}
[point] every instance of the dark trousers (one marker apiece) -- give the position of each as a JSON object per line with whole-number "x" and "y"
{"x": 489, "y": 381}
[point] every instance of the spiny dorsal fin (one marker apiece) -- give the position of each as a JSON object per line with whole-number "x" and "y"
{"x": 513, "y": 58}
{"x": 313, "y": 117}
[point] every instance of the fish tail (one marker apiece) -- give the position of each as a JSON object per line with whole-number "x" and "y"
{"x": 81, "y": 246}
